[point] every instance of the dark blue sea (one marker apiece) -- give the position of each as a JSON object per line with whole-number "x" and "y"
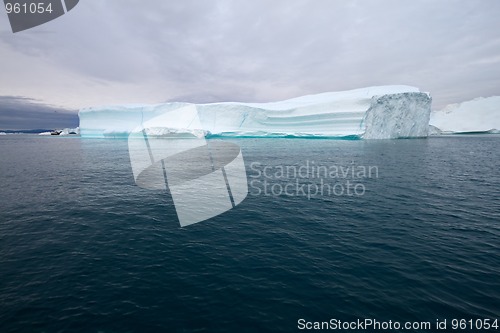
{"x": 84, "y": 249}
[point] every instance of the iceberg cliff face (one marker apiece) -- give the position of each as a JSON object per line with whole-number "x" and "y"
{"x": 394, "y": 116}
{"x": 373, "y": 113}
{"x": 479, "y": 115}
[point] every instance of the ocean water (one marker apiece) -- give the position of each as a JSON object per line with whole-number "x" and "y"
{"x": 83, "y": 249}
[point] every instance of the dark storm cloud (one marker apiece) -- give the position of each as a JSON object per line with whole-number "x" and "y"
{"x": 268, "y": 50}
{"x": 24, "y": 113}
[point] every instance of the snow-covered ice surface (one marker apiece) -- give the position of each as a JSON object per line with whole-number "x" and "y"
{"x": 381, "y": 112}
{"x": 478, "y": 115}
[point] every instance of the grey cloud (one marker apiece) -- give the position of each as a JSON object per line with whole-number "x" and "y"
{"x": 268, "y": 50}
{"x": 18, "y": 113}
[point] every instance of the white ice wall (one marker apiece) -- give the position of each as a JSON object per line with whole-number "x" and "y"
{"x": 478, "y": 115}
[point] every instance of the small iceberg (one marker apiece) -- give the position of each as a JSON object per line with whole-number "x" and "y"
{"x": 63, "y": 132}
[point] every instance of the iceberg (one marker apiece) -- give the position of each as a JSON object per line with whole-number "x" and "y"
{"x": 382, "y": 112}
{"x": 68, "y": 131}
{"x": 478, "y": 115}
{"x": 63, "y": 132}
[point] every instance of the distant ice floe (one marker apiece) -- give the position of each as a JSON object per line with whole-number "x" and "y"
{"x": 480, "y": 115}
{"x": 382, "y": 112}
{"x": 69, "y": 131}
{"x": 63, "y": 132}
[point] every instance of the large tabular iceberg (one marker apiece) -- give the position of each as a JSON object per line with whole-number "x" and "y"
{"x": 479, "y": 115}
{"x": 382, "y": 112}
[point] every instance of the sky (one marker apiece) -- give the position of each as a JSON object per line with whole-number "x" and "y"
{"x": 128, "y": 51}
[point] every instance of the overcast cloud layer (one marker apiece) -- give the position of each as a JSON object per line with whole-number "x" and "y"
{"x": 22, "y": 113}
{"x": 128, "y": 51}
